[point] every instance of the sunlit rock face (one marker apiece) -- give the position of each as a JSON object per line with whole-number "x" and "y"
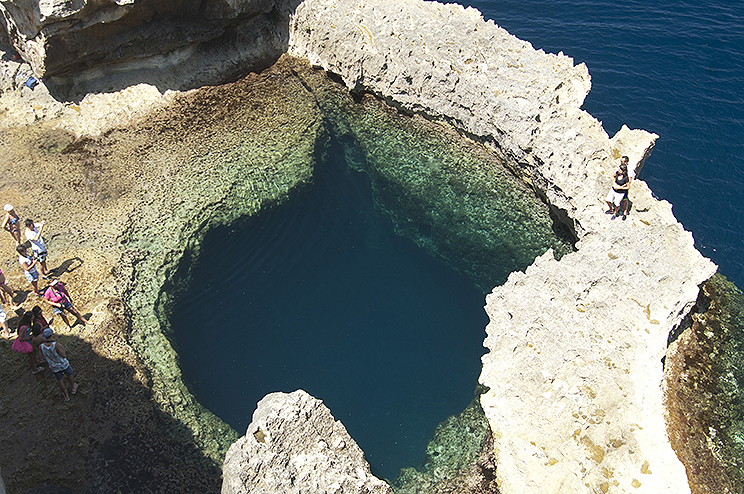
{"x": 575, "y": 346}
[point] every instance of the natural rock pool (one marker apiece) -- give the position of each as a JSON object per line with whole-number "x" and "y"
{"x": 364, "y": 287}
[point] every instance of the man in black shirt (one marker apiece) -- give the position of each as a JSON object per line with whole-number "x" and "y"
{"x": 618, "y": 194}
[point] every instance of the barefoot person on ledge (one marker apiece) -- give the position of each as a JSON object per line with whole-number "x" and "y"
{"x": 59, "y": 298}
{"x": 618, "y": 194}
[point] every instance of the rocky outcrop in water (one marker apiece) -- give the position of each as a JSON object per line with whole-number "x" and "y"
{"x": 295, "y": 446}
{"x": 575, "y": 347}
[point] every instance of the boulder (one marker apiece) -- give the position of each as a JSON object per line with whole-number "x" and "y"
{"x": 294, "y": 445}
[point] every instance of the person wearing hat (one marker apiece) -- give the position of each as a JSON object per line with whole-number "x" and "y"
{"x": 11, "y": 223}
{"x": 618, "y": 194}
{"x": 56, "y": 357}
{"x": 59, "y": 298}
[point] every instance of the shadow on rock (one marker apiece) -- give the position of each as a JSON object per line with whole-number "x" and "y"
{"x": 247, "y": 44}
{"x": 68, "y": 266}
{"x": 110, "y": 437}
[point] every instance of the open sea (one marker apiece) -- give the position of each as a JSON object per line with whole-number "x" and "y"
{"x": 672, "y": 68}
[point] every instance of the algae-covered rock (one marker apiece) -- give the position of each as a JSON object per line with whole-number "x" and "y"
{"x": 121, "y": 207}
{"x": 459, "y": 458}
{"x": 452, "y": 197}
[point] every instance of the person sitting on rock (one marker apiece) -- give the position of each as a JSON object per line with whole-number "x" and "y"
{"x": 618, "y": 194}
{"x": 59, "y": 298}
{"x": 23, "y": 342}
{"x": 39, "y": 317}
{"x": 12, "y": 223}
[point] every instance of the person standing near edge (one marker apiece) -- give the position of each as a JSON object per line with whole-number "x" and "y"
{"x": 33, "y": 234}
{"x": 12, "y": 223}
{"x": 56, "y": 358}
{"x": 619, "y": 192}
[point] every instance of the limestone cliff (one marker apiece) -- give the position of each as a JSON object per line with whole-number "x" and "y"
{"x": 294, "y": 446}
{"x": 84, "y": 46}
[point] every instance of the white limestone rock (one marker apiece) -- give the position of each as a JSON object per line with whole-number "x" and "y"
{"x": 445, "y": 61}
{"x": 294, "y": 446}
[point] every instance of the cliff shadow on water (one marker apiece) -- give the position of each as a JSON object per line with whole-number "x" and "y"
{"x": 364, "y": 286}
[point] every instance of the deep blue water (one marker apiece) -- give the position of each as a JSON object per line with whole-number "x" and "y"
{"x": 321, "y": 294}
{"x": 675, "y": 68}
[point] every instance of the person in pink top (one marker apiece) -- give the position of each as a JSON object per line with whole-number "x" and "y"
{"x": 59, "y": 298}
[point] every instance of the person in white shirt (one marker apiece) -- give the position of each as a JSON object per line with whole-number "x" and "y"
{"x": 33, "y": 234}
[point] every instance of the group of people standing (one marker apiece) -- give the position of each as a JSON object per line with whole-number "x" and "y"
{"x": 34, "y": 335}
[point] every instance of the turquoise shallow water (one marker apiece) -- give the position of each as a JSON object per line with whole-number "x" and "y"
{"x": 366, "y": 286}
{"x": 674, "y": 68}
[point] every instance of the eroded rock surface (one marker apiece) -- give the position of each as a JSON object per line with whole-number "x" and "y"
{"x": 82, "y": 46}
{"x": 293, "y": 446}
{"x": 575, "y": 346}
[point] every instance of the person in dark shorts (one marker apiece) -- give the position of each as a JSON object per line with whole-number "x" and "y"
{"x": 56, "y": 358}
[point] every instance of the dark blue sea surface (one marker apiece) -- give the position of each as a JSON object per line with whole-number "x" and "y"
{"x": 319, "y": 293}
{"x": 675, "y": 68}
